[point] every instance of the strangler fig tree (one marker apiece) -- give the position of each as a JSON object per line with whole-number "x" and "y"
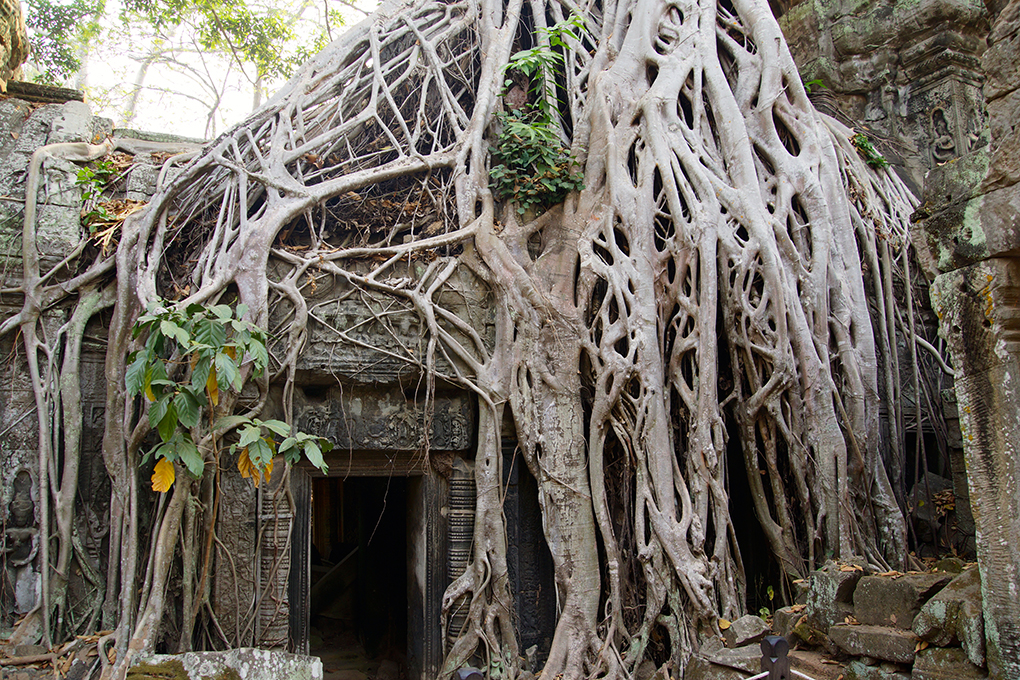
{"x": 679, "y": 252}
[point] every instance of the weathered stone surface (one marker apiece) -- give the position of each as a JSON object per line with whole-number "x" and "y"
{"x": 953, "y": 616}
{"x": 946, "y": 663}
{"x": 880, "y": 642}
{"x": 978, "y": 313}
{"x": 386, "y": 420}
{"x": 950, "y": 565}
{"x": 999, "y": 60}
{"x": 247, "y": 663}
{"x": 746, "y": 630}
{"x": 716, "y": 662}
{"x": 72, "y": 124}
{"x": 895, "y": 601}
{"x": 831, "y": 593}
{"x": 857, "y": 670}
{"x": 785, "y": 619}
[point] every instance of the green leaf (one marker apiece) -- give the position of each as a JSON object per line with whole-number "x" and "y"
{"x": 249, "y": 434}
{"x": 134, "y": 377}
{"x": 158, "y": 409}
{"x": 200, "y": 373}
{"x": 223, "y": 312}
{"x": 168, "y": 425}
{"x": 191, "y": 456}
{"x": 259, "y": 355}
{"x": 230, "y": 422}
{"x": 210, "y": 332}
{"x": 278, "y": 426}
{"x": 314, "y": 455}
{"x": 227, "y": 375}
{"x": 172, "y": 330}
{"x": 260, "y": 452}
{"x": 189, "y": 411}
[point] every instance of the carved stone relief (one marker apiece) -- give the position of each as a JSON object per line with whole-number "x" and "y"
{"x": 386, "y": 420}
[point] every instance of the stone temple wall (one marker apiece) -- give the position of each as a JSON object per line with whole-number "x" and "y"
{"x": 906, "y": 73}
{"x": 25, "y": 127}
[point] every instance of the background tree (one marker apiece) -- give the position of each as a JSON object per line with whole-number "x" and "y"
{"x": 701, "y": 297}
{"x": 201, "y": 53}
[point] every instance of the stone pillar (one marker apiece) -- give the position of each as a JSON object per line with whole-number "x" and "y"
{"x": 969, "y": 234}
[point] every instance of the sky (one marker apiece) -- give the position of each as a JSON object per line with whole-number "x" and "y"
{"x": 177, "y": 90}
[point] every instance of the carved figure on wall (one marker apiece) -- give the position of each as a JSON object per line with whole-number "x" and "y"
{"x": 20, "y": 536}
{"x": 943, "y": 147}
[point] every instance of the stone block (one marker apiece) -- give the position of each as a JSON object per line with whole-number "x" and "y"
{"x": 785, "y": 619}
{"x": 72, "y": 124}
{"x": 953, "y": 616}
{"x": 58, "y": 184}
{"x": 831, "y": 593}
{"x": 858, "y": 670}
{"x": 895, "y": 600}
{"x": 746, "y": 630}
{"x": 1004, "y": 168}
{"x": 879, "y": 642}
{"x": 999, "y": 60}
{"x": 58, "y": 229}
{"x": 963, "y": 220}
{"x": 950, "y": 565}
{"x": 945, "y": 663}
{"x": 1003, "y": 115}
{"x": 246, "y": 662}
{"x": 35, "y": 131}
{"x": 141, "y": 182}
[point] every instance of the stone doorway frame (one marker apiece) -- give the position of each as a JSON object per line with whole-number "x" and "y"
{"x": 427, "y": 543}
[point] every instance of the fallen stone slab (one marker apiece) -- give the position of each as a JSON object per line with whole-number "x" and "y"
{"x": 700, "y": 668}
{"x": 953, "y": 616}
{"x": 858, "y": 670}
{"x": 715, "y": 662}
{"x": 815, "y": 664}
{"x": 747, "y": 630}
{"x": 945, "y": 663}
{"x": 233, "y": 664}
{"x": 879, "y": 642}
{"x": 895, "y": 600}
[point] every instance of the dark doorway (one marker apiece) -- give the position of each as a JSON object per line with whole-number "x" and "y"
{"x": 359, "y": 574}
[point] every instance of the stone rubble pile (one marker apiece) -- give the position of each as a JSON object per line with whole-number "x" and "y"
{"x": 871, "y": 626}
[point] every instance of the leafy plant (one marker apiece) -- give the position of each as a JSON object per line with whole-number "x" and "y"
{"x": 529, "y": 165}
{"x": 814, "y": 84}
{"x": 190, "y": 357}
{"x": 868, "y": 151}
{"x": 93, "y": 180}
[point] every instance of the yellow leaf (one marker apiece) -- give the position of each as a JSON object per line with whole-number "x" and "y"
{"x": 148, "y": 392}
{"x": 921, "y": 645}
{"x": 231, "y": 352}
{"x": 244, "y": 464}
{"x": 212, "y": 387}
{"x": 163, "y": 476}
{"x": 248, "y": 469}
{"x": 724, "y": 624}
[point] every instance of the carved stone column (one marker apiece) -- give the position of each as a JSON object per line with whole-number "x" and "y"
{"x": 969, "y": 228}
